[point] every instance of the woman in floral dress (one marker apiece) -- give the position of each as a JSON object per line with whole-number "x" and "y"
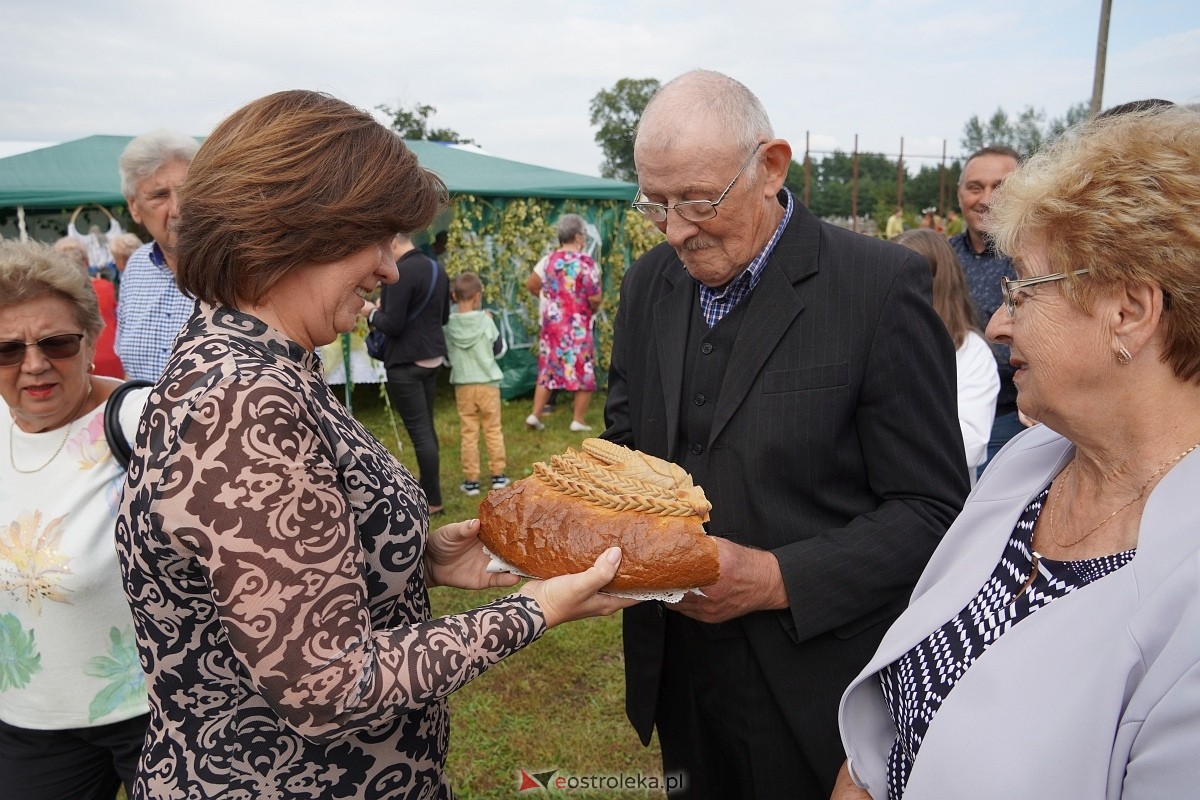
{"x": 572, "y": 292}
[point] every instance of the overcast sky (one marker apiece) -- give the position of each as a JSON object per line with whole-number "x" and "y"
{"x": 518, "y": 76}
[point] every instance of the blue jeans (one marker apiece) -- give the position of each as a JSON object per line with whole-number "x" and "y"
{"x": 411, "y": 390}
{"x": 1004, "y": 427}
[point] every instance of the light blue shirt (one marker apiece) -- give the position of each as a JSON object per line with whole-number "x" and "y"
{"x": 150, "y": 312}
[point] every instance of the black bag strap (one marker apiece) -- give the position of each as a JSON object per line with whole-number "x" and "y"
{"x": 114, "y": 434}
{"x": 429, "y": 294}
{"x": 416, "y": 312}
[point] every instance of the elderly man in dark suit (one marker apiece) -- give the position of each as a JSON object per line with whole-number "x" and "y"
{"x": 799, "y": 372}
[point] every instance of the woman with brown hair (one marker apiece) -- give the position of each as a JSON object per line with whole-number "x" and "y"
{"x": 978, "y": 379}
{"x": 276, "y": 555}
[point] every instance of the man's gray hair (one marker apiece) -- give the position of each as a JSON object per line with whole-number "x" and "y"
{"x": 712, "y": 96}
{"x": 149, "y": 152}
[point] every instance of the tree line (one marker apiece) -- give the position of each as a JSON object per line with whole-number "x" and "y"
{"x": 615, "y": 113}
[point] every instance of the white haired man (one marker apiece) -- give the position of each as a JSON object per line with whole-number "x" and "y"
{"x": 152, "y": 309}
{"x": 799, "y": 372}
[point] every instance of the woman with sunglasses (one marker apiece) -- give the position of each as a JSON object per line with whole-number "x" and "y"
{"x": 1052, "y": 646}
{"x": 73, "y": 707}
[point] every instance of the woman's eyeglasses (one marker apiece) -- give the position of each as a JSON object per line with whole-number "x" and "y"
{"x": 62, "y": 345}
{"x": 1008, "y": 286}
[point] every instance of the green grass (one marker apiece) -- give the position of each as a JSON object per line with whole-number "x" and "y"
{"x": 558, "y": 704}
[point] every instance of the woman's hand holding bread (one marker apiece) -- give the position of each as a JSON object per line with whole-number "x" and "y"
{"x": 571, "y": 597}
{"x": 455, "y": 557}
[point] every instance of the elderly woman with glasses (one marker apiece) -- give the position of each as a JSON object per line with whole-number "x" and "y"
{"x": 1052, "y": 646}
{"x": 73, "y": 708}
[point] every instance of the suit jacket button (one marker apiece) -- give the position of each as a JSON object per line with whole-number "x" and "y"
{"x": 697, "y": 449}
{"x": 706, "y": 348}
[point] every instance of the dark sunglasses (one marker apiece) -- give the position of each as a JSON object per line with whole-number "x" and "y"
{"x": 62, "y": 345}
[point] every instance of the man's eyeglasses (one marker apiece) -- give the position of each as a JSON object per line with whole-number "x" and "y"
{"x": 691, "y": 210}
{"x": 1008, "y": 287}
{"x": 62, "y": 345}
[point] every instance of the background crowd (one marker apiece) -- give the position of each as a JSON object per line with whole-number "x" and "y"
{"x": 911, "y": 446}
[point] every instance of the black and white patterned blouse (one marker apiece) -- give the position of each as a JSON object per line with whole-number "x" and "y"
{"x": 273, "y": 556}
{"x": 916, "y": 684}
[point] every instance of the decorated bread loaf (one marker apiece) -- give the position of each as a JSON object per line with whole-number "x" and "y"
{"x": 558, "y": 520}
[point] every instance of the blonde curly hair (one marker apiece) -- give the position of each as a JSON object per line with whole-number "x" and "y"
{"x": 1120, "y": 196}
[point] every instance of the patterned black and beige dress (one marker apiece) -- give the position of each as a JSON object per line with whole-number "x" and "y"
{"x": 272, "y": 552}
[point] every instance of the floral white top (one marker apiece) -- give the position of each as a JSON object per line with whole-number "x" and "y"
{"x": 68, "y": 658}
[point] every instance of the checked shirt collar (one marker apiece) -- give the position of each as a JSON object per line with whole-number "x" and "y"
{"x": 716, "y": 303}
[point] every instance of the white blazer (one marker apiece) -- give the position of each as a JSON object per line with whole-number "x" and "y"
{"x": 1097, "y": 695}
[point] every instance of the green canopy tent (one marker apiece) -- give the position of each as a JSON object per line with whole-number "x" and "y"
{"x": 85, "y": 171}
{"x": 468, "y": 171}
{"x": 49, "y": 182}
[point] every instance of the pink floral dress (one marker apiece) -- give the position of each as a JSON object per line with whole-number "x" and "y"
{"x": 566, "y": 356}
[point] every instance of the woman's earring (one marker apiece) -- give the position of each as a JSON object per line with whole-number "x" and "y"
{"x": 1123, "y": 356}
{"x": 92, "y": 367}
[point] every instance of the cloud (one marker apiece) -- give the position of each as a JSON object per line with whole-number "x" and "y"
{"x": 518, "y": 77}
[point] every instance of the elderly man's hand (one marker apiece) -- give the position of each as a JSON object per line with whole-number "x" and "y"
{"x": 750, "y": 581}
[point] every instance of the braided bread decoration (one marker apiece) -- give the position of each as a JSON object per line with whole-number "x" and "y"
{"x": 612, "y": 476}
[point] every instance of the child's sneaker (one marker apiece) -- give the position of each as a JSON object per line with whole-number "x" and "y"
{"x": 579, "y": 427}
{"x": 499, "y": 481}
{"x": 471, "y": 488}
{"x": 535, "y": 423}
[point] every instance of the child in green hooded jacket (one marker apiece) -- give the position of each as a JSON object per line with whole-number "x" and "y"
{"x": 471, "y": 339}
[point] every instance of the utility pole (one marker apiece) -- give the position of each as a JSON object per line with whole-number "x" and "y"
{"x": 1101, "y": 57}
{"x": 807, "y": 170}
{"x": 854, "y": 190}
{"x": 942, "y": 181}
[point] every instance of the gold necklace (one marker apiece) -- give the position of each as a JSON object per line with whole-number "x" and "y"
{"x": 1058, "y": 495}
{"x": 1141, "y": 493}
{"x": 11, "y": 435}
{"x": 66, "y": 436}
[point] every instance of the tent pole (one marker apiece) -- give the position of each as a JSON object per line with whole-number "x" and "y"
{"x": 21, "y": 224}
{"x": 346, "y": 366}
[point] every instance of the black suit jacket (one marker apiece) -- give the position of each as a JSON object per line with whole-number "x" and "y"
{"x": 835, "y": 444}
